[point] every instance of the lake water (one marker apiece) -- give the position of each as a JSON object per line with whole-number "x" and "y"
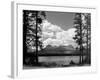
{"x": 60, "y": 59}
{"x": 54, "y": 61}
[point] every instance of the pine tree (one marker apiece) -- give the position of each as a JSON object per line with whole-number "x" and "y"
{"x": 78, "y": 36}
{"x": 83, "y": 33}
{"x": 32, "y": 31}
{"x": 87, "y": 28}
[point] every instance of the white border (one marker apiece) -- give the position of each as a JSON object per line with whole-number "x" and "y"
{"x": 17, "y": 52}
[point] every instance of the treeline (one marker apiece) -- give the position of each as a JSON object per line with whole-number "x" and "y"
{"x": 32, "y": 31}
{"x": 82, "y": 23}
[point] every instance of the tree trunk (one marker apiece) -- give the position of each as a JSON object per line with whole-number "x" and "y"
{"x": 24, "y": 36}
{"x": 36, "y": 38}
{"x": 81, "y": 46}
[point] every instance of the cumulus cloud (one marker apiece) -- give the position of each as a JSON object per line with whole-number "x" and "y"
{"x": 55, "y": 36}
{"x": 71, "y": 32}
{"x": 48, "y": 27}
{"x": 67, "y": 37}
{"x": 55, "y": 28}
{"x": 46, "y": 35}
{"x": 53, "y": 42}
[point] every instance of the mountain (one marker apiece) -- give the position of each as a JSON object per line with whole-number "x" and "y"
{"x": 69, "y": 47}
{"x": 58, "y": 50}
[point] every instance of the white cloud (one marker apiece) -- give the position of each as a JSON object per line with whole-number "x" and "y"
{"x": 47, "y": 35}
{"x": 53, "y": 42}
{"x": 67, "y": 37}
{"x": 55, "y": 28}
{"x": 62, "y": 37}
{"x": 71, "y": 32}
{"x": 47, "y": 26}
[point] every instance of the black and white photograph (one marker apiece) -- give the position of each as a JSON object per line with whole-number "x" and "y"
{"x": 55, "y": 39}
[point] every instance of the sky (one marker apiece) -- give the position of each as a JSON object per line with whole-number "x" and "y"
{"x": 58, "y": 29}
{"x": 62, "y": 19}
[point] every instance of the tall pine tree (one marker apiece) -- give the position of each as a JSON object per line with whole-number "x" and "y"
{"x": 78, "y": 36}
{"x": 87, "y": 34}
{"x": 32, "y": 31}
{"x": 83, "y": 34}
